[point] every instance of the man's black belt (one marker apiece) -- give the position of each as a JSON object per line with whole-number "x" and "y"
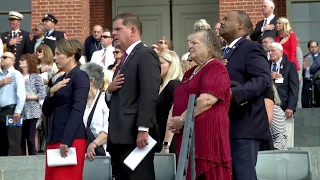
{"x": 11, "y": 106}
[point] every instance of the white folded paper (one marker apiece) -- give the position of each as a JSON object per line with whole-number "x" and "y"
{"x": 54, "y": 157}
{"x": 138, "y": 154}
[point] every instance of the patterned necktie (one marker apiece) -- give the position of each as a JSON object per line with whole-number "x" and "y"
{"x": 14, "y": 34}
{"x": 225, "y": 51}
{"x": 104, "y": 56}
{"x": 274, "y": 67}
{"x": 123, "y": 59}
{"x": 265, "y": 22}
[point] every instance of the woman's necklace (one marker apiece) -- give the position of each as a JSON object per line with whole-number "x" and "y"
{"x": 196, "y": 70}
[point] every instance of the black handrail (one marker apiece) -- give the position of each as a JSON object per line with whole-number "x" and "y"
{"x": 187, "y": 146}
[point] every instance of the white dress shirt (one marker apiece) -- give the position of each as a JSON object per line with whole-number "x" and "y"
{"x": 128, "y": 51}
{"x": 100, "y": 117}
{"x": 38, "y": 42}
{"x": 1, "y": 48}
{"x": 278, "y": 65}
{"x": 98, "y": 56}
{"x": 268, "y": 21}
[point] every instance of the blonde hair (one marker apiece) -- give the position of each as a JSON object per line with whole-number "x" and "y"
{"x": 277, "y": 100}
{"x": 105, "y": 83}
{"x": 286, "y": 25}
{"x": 175, "y": 71}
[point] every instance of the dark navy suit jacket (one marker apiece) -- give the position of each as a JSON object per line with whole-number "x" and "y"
{"x": 67, "y": 107}
{"x": 250, "y": 77}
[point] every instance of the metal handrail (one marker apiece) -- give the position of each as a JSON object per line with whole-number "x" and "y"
{"x": 187, "y": 146}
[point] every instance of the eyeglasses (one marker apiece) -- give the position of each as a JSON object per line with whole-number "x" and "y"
{"x": 5, "y": 57}
{"x": 36, "y": 29}
{"x": 104, "y": 36}
{"x": 116, "y": 52}
{"x": 161, "y": 42}
{"x": 40, "y": 51}
{"x": 154, "y": 47}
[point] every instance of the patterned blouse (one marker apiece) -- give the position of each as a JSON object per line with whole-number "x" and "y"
{"x": 34, "y": 87}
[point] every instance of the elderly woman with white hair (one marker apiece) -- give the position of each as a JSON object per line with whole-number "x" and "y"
{"x": 201, "y": 24}
{"x": 96, "y": 114}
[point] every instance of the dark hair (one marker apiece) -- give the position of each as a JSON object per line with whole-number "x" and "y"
{"x": 129, "y": 19}
{"x": 70, "y": 47}
{"x": 212, "y": 42}
{"x": 312, "y": 41}
{"x": 32, "y": 63}
{"x": 245, "y": 19}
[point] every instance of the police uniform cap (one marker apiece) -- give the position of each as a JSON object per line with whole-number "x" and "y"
{"x": 50, "y": 17}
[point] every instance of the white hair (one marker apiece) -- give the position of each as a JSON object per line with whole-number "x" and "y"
{"x": 270, "y": 2}
{"x": 201, "y": 22}
{"x": 276, "y": 45}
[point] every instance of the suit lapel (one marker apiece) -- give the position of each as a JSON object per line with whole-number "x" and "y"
{"x": 233, "y": 48}
{"x": 129, "y": 57}
{"x": 282, "y": 65}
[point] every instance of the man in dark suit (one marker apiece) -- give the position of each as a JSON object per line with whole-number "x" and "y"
{"x": 265, "y": 27}
{"x": 50, "y": 21}
{"x": 16, "y": 40}
{"x": 286, "y": 80}
{"x": 285, "y": 77}
{"x": 249, "y": 72}
{"x": 39, "y": 38}
{"x": 132, "y": 98}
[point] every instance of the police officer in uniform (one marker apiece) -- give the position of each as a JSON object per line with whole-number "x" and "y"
{"x": 39, "y": 37}
{"x": 16, "y": 40}
{"x": 50, "y": 21}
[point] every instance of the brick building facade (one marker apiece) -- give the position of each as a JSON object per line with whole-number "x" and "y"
{"x": 76, "y": 17}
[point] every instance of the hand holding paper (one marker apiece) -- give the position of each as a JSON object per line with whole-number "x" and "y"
{"x": 54, "y": 157}
{"x": 138, "y": 154}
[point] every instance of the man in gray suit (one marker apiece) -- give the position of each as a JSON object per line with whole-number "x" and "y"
{"x": 132, "y": 98}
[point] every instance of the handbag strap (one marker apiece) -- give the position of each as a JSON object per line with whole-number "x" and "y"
{"x": 92, "y": 111}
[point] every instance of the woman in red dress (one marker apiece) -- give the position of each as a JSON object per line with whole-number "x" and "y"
{"x": 288, "y": 39}
{"x": 209, "y": 80}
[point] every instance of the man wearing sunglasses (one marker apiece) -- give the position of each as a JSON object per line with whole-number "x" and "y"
{"x": 39, "y": 38}
{"x": 16, "y": 40}
{"x": 12, "y": 99}
{"x": 104, "y": 57}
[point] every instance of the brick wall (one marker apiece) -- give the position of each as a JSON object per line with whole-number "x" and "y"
{"x": 101, "y": 13}
{"x": 73, "y": 15}
{"x": 281, "y": 9}
{"x": 252, "y": 7}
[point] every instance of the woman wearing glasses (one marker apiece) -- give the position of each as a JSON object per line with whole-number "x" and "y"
{"x": 209, "y": 80}
{"x": 31, "y": 111}
{"x": 46, "y": 64}
{"x": 165, "y": 44}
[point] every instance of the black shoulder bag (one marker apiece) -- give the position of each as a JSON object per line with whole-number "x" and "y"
{"x": 100, "y": 151}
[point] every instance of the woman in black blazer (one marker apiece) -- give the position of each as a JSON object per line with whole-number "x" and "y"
{"x": 66, "y": 103}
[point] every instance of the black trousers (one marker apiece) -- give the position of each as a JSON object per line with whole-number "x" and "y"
{"x": 28, "y": 133}
{"x": 244, "y": 153}
{"x": 144, "y": 171}
{"x": 10, "y": 137}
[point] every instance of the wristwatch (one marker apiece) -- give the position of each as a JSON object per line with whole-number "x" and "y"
{"x": 166, "y": 143}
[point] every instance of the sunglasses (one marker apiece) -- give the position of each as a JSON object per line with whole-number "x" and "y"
{"x": 161, "y": 42}
{"x": 22, "y": 59}
{"x": 40, "y": 51}
{"x": 189, "y": 60}
{"x": 104, "y": 36}
{"x": 154, "y": 47}
{"x": 5, "y": 57}
{"x": 116, "y": 52}
{"x": 36, "y": 29}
